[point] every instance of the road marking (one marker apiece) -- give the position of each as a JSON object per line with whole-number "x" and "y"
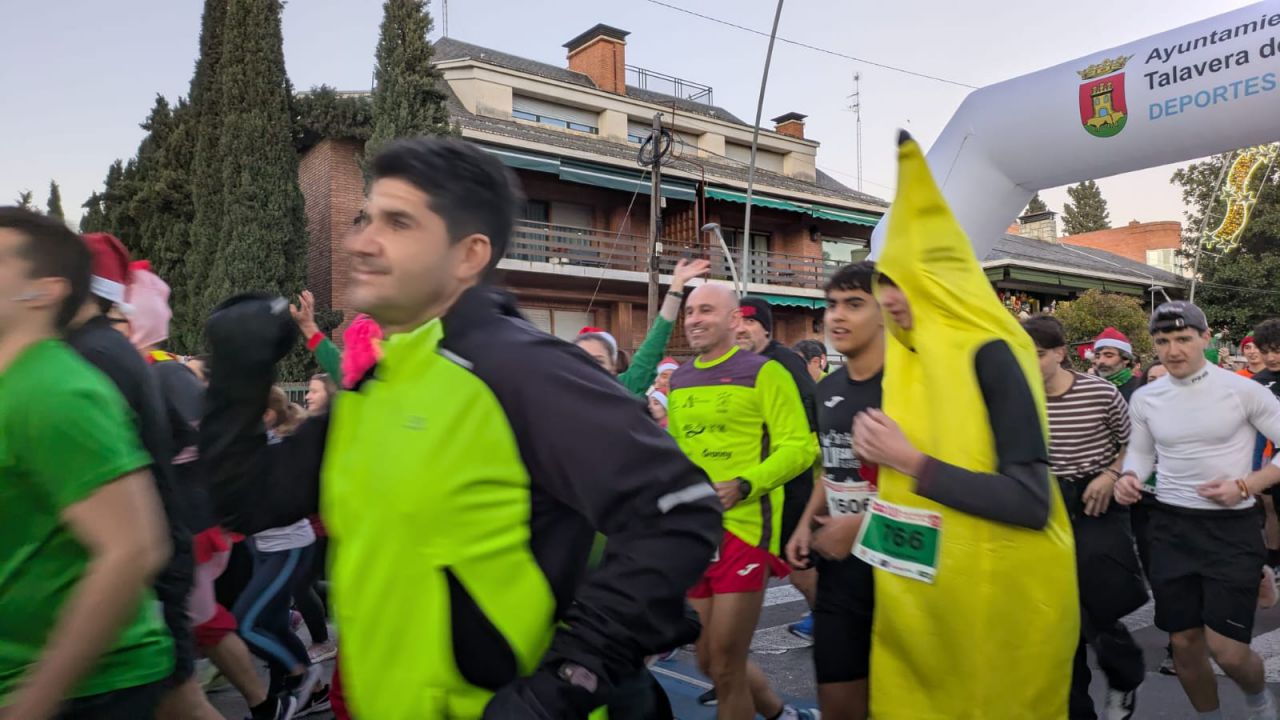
{"x": 781, "y": 594}
{"x": 681, "y": 677}
{"x": 776, "y": 641}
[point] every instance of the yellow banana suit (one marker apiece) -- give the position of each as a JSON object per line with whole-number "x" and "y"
{"x": 993, "y": 636}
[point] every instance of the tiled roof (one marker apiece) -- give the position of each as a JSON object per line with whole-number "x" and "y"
{"x": 451, "y": 49}
{"x": 1017, "y": 248}
{"x": 716, "y": 168}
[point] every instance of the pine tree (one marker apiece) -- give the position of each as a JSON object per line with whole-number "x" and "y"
{"x": 55, "y": 201}
{"x": 208, "y": 202}
{"x": 408, "y": 94}
{"x": 262, "y": 244}
{"x": 1035, "y": 206}
{"x": 24, "y": 201}
{"x": 94, "y": 219}
{"x": 1087, "y": 211}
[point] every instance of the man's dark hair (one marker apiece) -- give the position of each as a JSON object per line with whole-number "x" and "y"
{"x": 469, "y": 188}
{"x": 810, "y": 349}
{"x": 1267, "y": 335}
{"x": 53, "y": 251}
{"x": 854, "y": 276}
{"x": 1046, "y": 331}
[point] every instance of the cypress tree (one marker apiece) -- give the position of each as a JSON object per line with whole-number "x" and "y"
{"x": 54, "y": 204}
{"x": 205, "y": 175}
{"x": 1087, "y": 211}
{"x": 408, "y": 93}
{"x": 1035, "y": 206}
{"x": 24, "y": 201}
{"x": 262, "y": 243}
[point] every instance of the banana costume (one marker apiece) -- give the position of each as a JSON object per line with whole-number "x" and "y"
{"x": 992, "y": 635}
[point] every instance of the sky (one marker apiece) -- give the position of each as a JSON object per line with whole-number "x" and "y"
{"x": 79, "y": 75}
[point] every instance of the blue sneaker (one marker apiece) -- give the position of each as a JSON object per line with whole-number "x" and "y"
{"x": 803, "y": 629}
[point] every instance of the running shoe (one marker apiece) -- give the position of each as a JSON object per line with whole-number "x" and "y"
{"x": 1267, "y": 594}
{"x": 320, "y": 652}
{"x": 285, "y": 707}
{"x": 708, "y": 698}
{"x": 1120, "y": 705}
{"x": 791, "y": 713}
{"x": 803, "y": 629}
{"x": 1166, "y": 667}
{"x": 295, "y": 620}
{"x": 310, "y": 677}
{"x": 318, "y": 702}
{"x": 1266, "y": 712}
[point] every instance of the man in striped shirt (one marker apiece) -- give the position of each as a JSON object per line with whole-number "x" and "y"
{"x": 1088, "y": 430}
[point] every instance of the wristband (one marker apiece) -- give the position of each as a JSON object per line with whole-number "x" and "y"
{"x": 1112, "y": 472}
{"x": 676, "y": 293}
{"x": 1244, "y": 489}
{"x": 314, "y": 341}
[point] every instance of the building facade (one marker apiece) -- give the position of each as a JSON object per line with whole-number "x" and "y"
{"x": 578, "y": 138}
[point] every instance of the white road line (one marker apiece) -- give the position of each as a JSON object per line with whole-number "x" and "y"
{"x": 780, "y": 595}
{"x": 681, "y": 677}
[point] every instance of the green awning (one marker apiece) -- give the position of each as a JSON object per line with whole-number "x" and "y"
{"x": 995, "y": 274}
{"x": 852, "y": 217}
{"x": 824, "y": 212}
{"x": 524, "y": 161}
{"x": 790, "y": 301}
{"x": 756, "y": 200}
{"x": 1070, "y": 282}
{"x": 637, "y": 181}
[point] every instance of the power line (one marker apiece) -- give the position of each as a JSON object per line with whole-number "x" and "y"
{"x": 815, "y": 47}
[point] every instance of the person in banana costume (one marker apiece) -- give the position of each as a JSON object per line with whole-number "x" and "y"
{"x": 977, "y": 614}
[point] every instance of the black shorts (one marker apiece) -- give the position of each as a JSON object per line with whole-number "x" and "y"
{"x": 126, "y": 704}
{"x": 796, "y": 495}
{"x": 173, "y": 590}
{"x": 842, "y": 615}
{"x": 1206, "y": 566}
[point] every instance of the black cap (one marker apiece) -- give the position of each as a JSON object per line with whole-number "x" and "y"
{"x": 1176, "y": 315}
{"x": 757, "y": 308}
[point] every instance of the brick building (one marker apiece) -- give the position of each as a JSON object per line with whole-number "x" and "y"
{"x": 1153, "y": 243}
{"x": 572, "y": 135}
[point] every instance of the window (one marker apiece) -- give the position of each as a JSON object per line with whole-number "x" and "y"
{"x": 733, "y": 238}
{"x": 1166, "y": 259}
{"x": 564, "y": 324}
{"x": 553, "y": 114}
{"x": 842, "y": 251}
{"x": 765, "y": 160}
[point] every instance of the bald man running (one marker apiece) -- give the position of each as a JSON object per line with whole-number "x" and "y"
{"x": 739, "y": 417}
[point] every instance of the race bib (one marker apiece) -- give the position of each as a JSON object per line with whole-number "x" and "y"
{"x": 848, "y": 498}
{"x": 900, "y": 540}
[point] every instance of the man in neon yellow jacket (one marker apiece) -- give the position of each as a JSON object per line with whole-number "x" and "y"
{"x": 969, "y": 537}
{"x": 463, "y": 479}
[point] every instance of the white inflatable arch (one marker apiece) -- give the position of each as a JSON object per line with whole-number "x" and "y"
{"x": 1205, "y": 88}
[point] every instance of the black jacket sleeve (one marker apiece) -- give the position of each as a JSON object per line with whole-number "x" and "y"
{"x": 593, "y": 452}
{"x": 795, "y": 365}
{"x": 254, "y": 486}
{"x": 1019, "y": 492}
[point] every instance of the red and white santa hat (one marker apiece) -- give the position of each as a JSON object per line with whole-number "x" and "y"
{"x": 110, "y": 267}
{"x": 1113, "y": 338}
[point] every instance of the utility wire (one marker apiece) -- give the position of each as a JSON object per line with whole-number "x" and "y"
{"x": 815, "y": 47}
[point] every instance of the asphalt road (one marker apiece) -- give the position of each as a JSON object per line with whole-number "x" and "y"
{"x": 787, "y": 661}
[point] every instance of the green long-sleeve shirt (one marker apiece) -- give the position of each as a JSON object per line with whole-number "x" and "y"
{"x": 330, "y": 359}
{"x": 644, "y": 366}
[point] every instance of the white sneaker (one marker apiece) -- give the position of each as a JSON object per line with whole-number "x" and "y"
{"x": 1266, "y": 712}
{"x": 1120, "y": 705}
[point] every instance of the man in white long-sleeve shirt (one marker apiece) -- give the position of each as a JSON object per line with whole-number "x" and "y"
{"x": 1206, "y": 537}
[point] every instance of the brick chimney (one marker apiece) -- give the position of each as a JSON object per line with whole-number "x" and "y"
{"x": 601, "y": 54}
{"x": 790, "y": 124}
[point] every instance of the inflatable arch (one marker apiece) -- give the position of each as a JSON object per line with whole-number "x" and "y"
{"x": 1205, "y": 88}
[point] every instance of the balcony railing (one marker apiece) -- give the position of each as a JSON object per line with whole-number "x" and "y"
{"x": 588, "y": 248}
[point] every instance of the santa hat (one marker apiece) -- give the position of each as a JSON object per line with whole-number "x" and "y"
{"x": 1113, "y": 338}
{"x": 668, "y": 364}
{"x": 660, "y": 396}
{"x": 604, "y": 335}
{"x": 148, "y": 308}
{"x": 110, "y": 267}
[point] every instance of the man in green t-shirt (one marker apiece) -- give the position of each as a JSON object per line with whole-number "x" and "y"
{"x": 80, "y": 521}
